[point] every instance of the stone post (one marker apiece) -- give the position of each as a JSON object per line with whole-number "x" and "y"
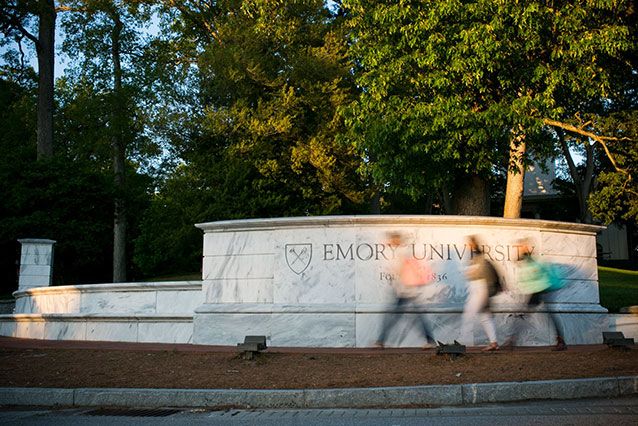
{"x": 36, "y": 261}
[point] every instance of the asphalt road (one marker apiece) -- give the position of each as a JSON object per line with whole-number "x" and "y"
{"x": 617, "y": 411}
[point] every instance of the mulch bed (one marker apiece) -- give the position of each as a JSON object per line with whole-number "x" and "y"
{"x": 152, "y": 367}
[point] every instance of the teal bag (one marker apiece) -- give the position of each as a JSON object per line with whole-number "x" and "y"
{"x": 552, "y": 275}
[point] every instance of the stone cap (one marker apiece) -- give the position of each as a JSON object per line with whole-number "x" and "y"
{"x": 36, "y": 241}
{"x": 394, "y": 220}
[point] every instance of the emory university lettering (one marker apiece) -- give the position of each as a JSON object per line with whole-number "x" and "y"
{"x": 424, "y": 251}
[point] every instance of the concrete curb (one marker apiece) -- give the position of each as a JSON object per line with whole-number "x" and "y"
{"x": 463, "y": 394}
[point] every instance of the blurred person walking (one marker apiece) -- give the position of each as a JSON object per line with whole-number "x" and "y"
{"x": 408, "y": 275}
{"x": 535, "y": 282}
{"x": 483, "y": 283}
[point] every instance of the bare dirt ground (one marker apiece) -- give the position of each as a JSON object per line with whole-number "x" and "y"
{"x": 32, "y": 363}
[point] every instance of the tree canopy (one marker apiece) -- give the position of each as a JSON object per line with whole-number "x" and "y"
{"x": 174, "y": 112}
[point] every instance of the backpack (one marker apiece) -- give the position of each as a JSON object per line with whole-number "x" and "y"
{"x": 552, "y": 276}
{"x": 496, "y": 286}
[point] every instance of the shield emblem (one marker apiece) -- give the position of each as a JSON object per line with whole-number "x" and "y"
{"x": 298, "y": 257}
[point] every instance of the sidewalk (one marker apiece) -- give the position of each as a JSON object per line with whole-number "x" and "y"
{"x": 359, "y": 397}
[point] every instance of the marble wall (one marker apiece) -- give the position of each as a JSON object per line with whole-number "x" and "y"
{"x": 127, "y": 312}
{"x": 127, "y": 298}
{"x": 326, "y": 281}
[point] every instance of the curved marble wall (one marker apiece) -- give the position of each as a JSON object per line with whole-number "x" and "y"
{"x": 323, "y": 281}
{"x": 128, "y": 312}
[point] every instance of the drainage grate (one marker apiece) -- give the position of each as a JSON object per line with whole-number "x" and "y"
{"x": 132, "y": 412}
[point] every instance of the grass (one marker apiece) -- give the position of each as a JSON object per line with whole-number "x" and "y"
{"x": 618, "y": 288}
{"x": 195, "y": 276}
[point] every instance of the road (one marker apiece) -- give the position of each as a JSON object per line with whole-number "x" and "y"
{"x": 618, "y": 411}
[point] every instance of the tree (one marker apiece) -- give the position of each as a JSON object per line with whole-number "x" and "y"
{"x": 15, "y": 22}
{"x": 105, "y": 37}
{"x": 463, "y": 82}
{"x": 272, "y": 74}
{"x": 422, "y": 113}
{"x": 66, "y": 198}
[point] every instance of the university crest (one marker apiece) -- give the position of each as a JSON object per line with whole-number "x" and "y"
{"x": 298, "y": 257}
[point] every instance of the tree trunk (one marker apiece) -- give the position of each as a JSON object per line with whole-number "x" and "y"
{"x": 582, "y": 184}
{"x": 45, "y": 48}
{"x": 119, "y": 158}
{"x": 471, "y": 196}
{"x": 375, "y": 203}
{"x": 515, "y": 177}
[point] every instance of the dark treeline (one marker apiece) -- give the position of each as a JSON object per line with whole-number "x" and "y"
{"x": 171, "y": 113}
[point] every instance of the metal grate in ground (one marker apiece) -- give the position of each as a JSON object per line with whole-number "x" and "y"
{"x": 132, "y": 412}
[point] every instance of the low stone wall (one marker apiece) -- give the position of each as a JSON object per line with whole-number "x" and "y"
{"x": 173, "y": 297}
{"x": 128, "y": 312}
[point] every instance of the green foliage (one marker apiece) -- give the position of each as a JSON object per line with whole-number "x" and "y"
{"x": 48, "y": 199}
{"x": 271, "y": 84}
{"x": 615, "y": 197}
{"x": 261, "y": 139}
{"x": 444, "y": 83}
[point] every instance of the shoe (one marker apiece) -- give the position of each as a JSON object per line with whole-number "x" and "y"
{"x": 560, "y": 345}
{"x": 508, "y": 345}
{"x": 378, "y": 344}
{"x": 491, "y": 347}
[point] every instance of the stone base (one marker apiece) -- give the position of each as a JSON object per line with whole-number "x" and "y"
{"x": 359, "y": 326}
{"x": 113, "y": 328}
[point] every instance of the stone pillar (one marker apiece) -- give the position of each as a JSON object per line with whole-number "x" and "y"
{"x": 36, "y": 261}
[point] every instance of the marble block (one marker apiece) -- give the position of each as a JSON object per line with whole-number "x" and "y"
{"x": 178, "y": 301}
{"x": 162, "y": 331}
{"x": 36, "y": 251}
{"x": 248, "y": 290}
{"x": 35, "y": 263}
{"x": 128, "y": 302}
{"x": 319, "y": 330}
{"x": 48, "y": 303}
{"x": 29, "y": 328}
{"x": 63, "y": 329}
{"x": 26, "y": 282}
{"x": 230, "y": 329}
{"x": 115, "y": 331}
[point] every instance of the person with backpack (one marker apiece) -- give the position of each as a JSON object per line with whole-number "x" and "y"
{"x": 536, "y": 280}
{"x": 483, "y": 283}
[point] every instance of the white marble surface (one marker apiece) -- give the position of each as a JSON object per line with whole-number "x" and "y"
{"x": 36, "y": 252}
{"x": 59, "y": 303}
{"x": 129, "y": 298}
{"x": 346, "y": 260}
{"x": 35, "y": 263}
{"x": 324, "y": 282}
{"x": 319, "y": 330}
{"x": 230, "y": 329}
{"x": 26, "y": 329}
{"x": 625, "y": 323}
{"x": 165, "y": 331}
{"x": 255, "y": 290}
{"x": 117, "y": 331}
{"x": 181, "y": 301}
{"x": 134, "y": 302}
{"x": 65, "y": 330}
{"x": 342, "y": 264}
